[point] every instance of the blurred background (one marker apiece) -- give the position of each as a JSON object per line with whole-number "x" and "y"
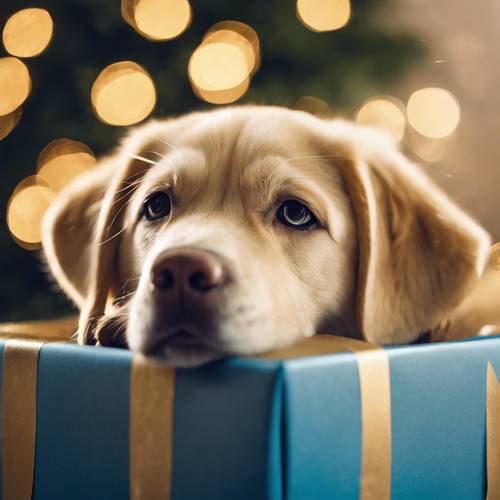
{"x": 74, "y": 75}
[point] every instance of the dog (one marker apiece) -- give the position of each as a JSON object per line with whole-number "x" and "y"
{"x": 245, "y": 229}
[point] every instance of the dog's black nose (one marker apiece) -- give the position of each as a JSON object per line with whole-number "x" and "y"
{"x": 188, "y": 271}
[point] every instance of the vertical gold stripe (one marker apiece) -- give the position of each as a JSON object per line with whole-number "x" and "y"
{"x": 493, "y": 433}
{"x": 374, "y": 380}
{"x": 19, "y": 418}
{"x": 375, "y": 395}
{"x": 151, "y": 430}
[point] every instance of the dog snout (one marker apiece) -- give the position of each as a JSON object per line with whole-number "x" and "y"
{"x": 188, "y": 272}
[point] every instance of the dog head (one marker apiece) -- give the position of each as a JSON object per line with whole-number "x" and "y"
{"x": 245, "y": 229}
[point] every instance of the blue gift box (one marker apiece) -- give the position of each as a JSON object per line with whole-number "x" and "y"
{"x": 267, "y": 429}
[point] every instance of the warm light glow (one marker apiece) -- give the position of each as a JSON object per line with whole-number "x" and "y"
{"x": 494, "y": 260}
{"x": 239, "y": 34}
{"x": 62, "y": 160}
{"x": 15, "y": 84}
{"x": 25, "y": 210}
{"x": 218, "y": 66}
{"x": 27, "y": 33}
{"x": 8, "y": 122}
{"x": 157, "y": 19}
{"x": 386, "y": 113}
{"x": 324, "y": 15}
{"x": 433, "y": 112}
{"x": 221, "y": 67}
{"x": 222, "y": 96}
{"x": 123, "y": 94}
{"x": 428, "y": 149}
{"x": 314, "y": 106}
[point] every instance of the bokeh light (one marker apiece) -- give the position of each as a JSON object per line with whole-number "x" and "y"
{"x": 218, "y": 66}
{"x": 157, "y": 20}
{"x": 324, "y": 15}
{"x": 433, "y": 112}
{"x": 386, "y": 113}
{"x": 494, "y": 260}
{"x": 222, "y": 65}
{"x": 9, "y": 121}
{"x": 123, "y": 94}
{"x": 239, "y": 34}
{"x": 429, "y": 149}
{"x": 61, "y": 161}
{"x": 28, "y": 32}
{"x": 15, "y": 84}
{"x": 314, "y": 106}
{"x": 25, "y": 211}
{"x": 223, "y": 96}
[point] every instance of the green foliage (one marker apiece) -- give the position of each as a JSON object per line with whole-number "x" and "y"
{"x": 342, "y": 67}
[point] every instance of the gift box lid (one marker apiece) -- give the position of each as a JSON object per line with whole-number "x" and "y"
{"x": 272, "y": 428}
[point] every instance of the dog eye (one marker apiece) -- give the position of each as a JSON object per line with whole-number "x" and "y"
{"x": 295, "y": 214}
{"x": 157, "y": 205}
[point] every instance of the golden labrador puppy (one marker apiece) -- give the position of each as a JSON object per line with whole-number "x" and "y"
{"x": 245, "y": 229}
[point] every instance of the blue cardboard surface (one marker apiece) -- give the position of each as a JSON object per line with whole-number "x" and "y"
{"x": 227, "y": 419}
{"x": 438, "y": 422}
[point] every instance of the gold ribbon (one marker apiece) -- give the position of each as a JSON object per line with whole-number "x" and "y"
{"x": 49, "y": 331}
{"x": 19, "y": 418}
{"x": 493, "y": 433}
{"x": 151, "y": 429}
{"x": 375, "y": 395}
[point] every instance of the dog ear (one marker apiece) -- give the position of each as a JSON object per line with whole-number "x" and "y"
{"x": 68, "y": 230}
{"x": 80, "y": 237}
{"x": 418, "y": 253}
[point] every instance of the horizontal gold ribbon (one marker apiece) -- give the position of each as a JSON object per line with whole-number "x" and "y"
{"x": 375, "y": 395}
{"x": 19, "y": 418}
{"x": 49, "y": 330}
{"x": 151, "y": 429}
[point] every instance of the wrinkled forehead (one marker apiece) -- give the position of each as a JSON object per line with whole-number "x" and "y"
{"x": 227, "y": 157}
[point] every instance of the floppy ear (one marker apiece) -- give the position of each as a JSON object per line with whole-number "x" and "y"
{"x": 80, "y": 237}
{"x": 418, "y": 253}
{"x": 68, "y": 230}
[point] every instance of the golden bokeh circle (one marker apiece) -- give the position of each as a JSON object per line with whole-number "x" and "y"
{"x": 240, "y": 34}
{"x": 428, "y": 149}
{"x": 157, "y": 20}
{"x": 314, "y": 106}
{"x": 123, "y": 94}
{"x": 15, "y": 84}
{"x": 221, "y": 66}
{"x": 324, "y": 15}
{"x": 494, "y": 259}
{"x": 25, "y": 210}
{"x": 433, "y": 112}
{"x": 225, "y": 96}
{"x": 218, "y": 66}
{"x": 386, "y": 113}
{"x": 28, "y": 32}
{"x": 62, "y": 160}
{"x": 9, "y": 121}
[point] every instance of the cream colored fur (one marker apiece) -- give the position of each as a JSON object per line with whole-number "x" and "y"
{"x": 393, "y": 257}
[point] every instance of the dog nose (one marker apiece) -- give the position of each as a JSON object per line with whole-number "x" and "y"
{"x": 190, "y": 271}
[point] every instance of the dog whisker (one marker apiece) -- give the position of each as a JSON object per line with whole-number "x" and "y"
{"x": 142, "y": 158}
{"x": 171, "y": 146}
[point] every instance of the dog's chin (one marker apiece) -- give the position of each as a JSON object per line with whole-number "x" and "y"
{"x": 183, "y": 350}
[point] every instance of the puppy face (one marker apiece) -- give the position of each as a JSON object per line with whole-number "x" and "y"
{"x": 246, "y": 229}
{"x": 275, "y": 227}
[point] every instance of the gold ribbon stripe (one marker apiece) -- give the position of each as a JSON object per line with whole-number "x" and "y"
{"x": 375, "y": 395}
{"x": 151, "y": 429}
{"x": 19, "y": 418}
{"x": 50, "y": 330}
{"x": 493, "y": 433}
